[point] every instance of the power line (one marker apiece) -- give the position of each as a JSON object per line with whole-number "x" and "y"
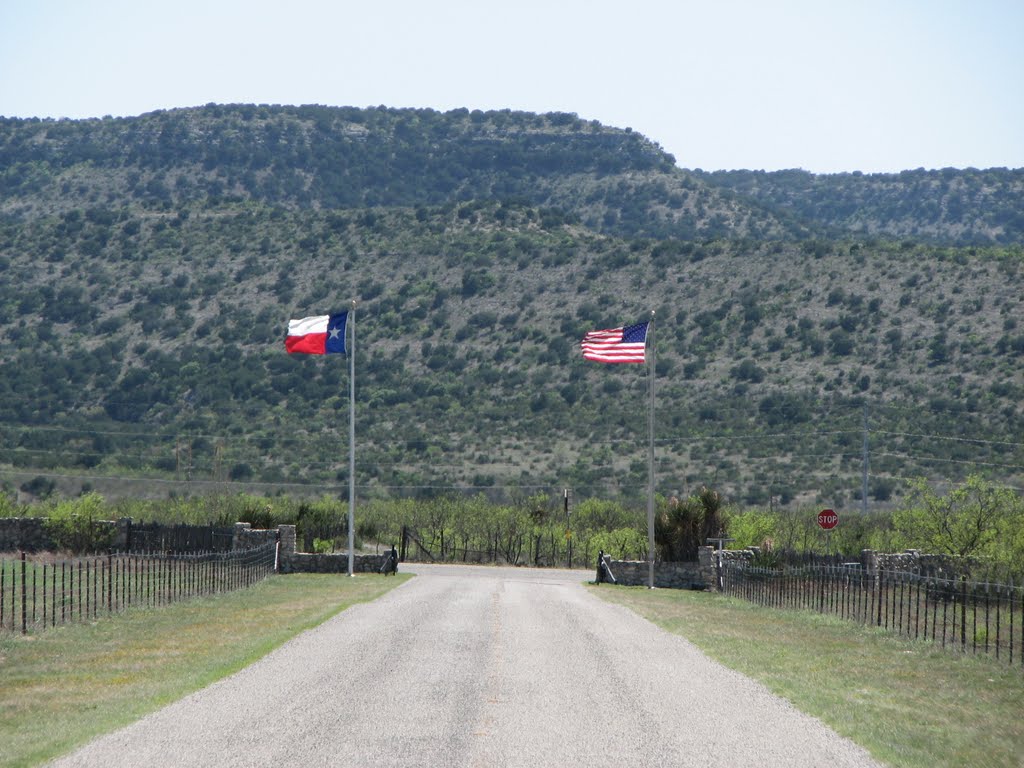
{"x": 757, "y": 436}
{"x": 912, "y": 479}
{"x": 950, "y": 438}
{"x": 950, "y": 461}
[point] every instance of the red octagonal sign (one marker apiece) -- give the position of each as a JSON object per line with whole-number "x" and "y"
{"x": 828, "y": 519}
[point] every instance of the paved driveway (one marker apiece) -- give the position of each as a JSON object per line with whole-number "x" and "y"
{"x": 478, "y": 666}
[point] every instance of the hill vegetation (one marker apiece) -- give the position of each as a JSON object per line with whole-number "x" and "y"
{"x": 959, "y": 207}
{"x": 614, "y": 180}
{"x": 149, "y": 266}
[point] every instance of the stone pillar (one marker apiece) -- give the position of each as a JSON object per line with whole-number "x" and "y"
{"x": 123, "y": 534}
{"x": 869, "y": 559}
{"x": 236, "y": 537}
{"x": 706, "y": 556}
{"x": 286, "y": 535}
{"x": 710, "y": 570}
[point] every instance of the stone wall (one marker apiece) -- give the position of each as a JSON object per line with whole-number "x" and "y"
{"x": 913, "y": 561}
{"x": 247, "y": 537}
{"x": 636, "y": 573}
{"x": 290, "y": 561}
{"x": 29, "y": 534}
{"x": 735, "y": 556}
{"x": 301, "y": 562}
{"x": 910, "y": 561}
{"x": 24, "y": 533}
{"x": 122, "y": 526}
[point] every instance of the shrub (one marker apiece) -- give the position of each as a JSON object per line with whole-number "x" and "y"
{"x": 975, "y": 519}
{"x": 684, "y": 526}
{"x": 39, "y": 486}
{"x": 766, "y": 557}
{"x": 622, "y": 543}
{"x": 748, "y": 370}
{"x": 75, "y": 524}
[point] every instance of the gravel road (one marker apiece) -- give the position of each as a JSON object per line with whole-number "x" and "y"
{"x": 465, "y": 666}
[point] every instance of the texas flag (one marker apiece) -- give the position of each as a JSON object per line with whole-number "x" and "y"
{"x": 319, "y": 335}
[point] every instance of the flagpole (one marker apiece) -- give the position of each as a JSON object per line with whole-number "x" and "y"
{"x": 650, "y": 465}
{"x": 352, "y": 441}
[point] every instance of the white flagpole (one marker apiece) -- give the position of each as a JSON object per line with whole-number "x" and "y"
{"x": 650, "y": 465}
{"x": 352, "y": 441}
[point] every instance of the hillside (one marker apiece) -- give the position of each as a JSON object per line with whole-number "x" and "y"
{"x": 956, "y": 207}
{"x": 141, "y": 329}
{"x": 613, "y": 180}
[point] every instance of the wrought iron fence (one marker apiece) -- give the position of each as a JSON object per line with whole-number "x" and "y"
{"x": 968, "y": 616}
{"x": 38, "y": 593}
{"x": 159, "y": 537}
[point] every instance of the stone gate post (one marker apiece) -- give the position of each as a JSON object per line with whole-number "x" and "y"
{"x": 286, "y": 535}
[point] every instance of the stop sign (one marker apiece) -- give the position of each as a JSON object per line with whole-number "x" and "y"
{"x": 828, "y": 519}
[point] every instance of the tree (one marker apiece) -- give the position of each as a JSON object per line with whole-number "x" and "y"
{"x": 841, "y": 343}
{"x": 39, "y": 486}
{"x": 967, "y": 522}
{"x": 748, "y": 370}
{"x": 76, "y": 524}
{"x": 938, "y": 350}
{"x": 241, "y": 471}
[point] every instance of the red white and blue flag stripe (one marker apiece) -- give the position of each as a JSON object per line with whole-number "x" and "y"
{"x": 317, "y": 335}
{"x": 627, "y": 344}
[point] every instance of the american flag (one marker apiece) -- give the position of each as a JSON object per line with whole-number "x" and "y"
{"x": 627, "y": 344}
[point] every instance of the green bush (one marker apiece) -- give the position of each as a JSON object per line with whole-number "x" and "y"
{"x": 8, "y": 505}
{"x": 751, "y": 527}
{"x": 78, "y": 524}
{"x": 621, "y": 544}
{"x": 766, "y": 558}
{"x": 976, "y": 519}
{"x": 683, "y": 526}
{"x": 323, "y": 546}
{"x": 39, "y": 486}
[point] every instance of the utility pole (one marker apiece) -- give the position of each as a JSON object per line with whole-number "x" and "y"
{"x": 218, "y": 459}
{"x": 864, "y": 467}
{"x": 566, "y": 493}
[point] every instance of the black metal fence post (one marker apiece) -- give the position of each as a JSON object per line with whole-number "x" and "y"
{"x": 24, "y": 604}
{"x": 963, "y": 613}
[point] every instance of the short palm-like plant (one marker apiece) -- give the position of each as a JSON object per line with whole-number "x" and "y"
{"x": 684, "y": 526}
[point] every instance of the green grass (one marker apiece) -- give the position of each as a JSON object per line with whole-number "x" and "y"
{"x": 62, "y": 687}
{"x": 908, "y": 703}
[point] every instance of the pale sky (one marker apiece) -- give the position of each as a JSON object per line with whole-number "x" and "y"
{"x": 824, "y": 85}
